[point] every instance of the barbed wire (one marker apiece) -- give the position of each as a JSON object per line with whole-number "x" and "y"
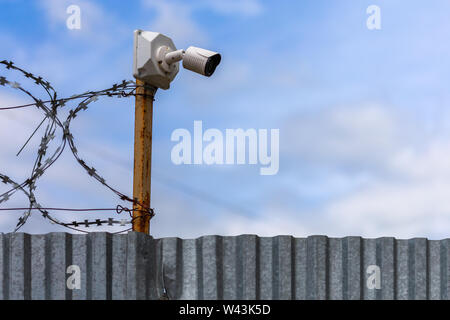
{"x": 44, "y": 161}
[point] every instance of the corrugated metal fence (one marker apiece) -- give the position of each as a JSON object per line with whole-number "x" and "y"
{"x": 136, "y": 266}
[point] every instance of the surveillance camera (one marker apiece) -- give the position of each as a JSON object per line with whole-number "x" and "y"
{"x": 201, "y": 61}
{"x": 156, "y": 59}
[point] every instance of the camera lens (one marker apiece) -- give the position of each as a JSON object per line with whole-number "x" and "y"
{"x": 211, "y": 64}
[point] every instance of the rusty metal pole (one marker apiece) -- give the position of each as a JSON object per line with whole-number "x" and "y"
{"x": 142, "y": 156}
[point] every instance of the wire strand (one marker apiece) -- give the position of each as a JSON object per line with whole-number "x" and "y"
{"x": 43, "y": 160}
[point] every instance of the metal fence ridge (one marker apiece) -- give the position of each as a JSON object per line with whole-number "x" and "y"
{"x": 136, "y": 266}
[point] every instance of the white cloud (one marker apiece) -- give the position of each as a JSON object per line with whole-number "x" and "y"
{"x": 243, "y": 7}
{"x": 346, "y": 133}
{"x": 99, "y": 27}
{"x": 92, "y": 56}
{"x": 405, "y": 192}
{"x": 405, "y": 210}
{"x": 269, "y": 223}
{"x": 56, "y": 11}
{"x": 175, "y": 19}
{"x": 381, "y": 208}
{"x": 232, "y": 76}
{"x": 429, "y": 162}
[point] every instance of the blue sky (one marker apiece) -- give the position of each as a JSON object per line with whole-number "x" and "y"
{"x": 363, "y": 114}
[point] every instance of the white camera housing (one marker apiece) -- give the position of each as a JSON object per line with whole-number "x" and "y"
{"x": 201, "y": 60}
{"x": 156, "y": 59}
{"x": 149, "y": 50}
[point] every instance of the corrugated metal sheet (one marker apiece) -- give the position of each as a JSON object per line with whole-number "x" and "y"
{"x": 136, "y": 266}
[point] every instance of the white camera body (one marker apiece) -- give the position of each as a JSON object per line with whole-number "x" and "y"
{"x": 156, "y": 59}
{"x": 201, "y": 60}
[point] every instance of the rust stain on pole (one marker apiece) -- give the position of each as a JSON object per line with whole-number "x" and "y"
{"x": 142, "y": 157}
